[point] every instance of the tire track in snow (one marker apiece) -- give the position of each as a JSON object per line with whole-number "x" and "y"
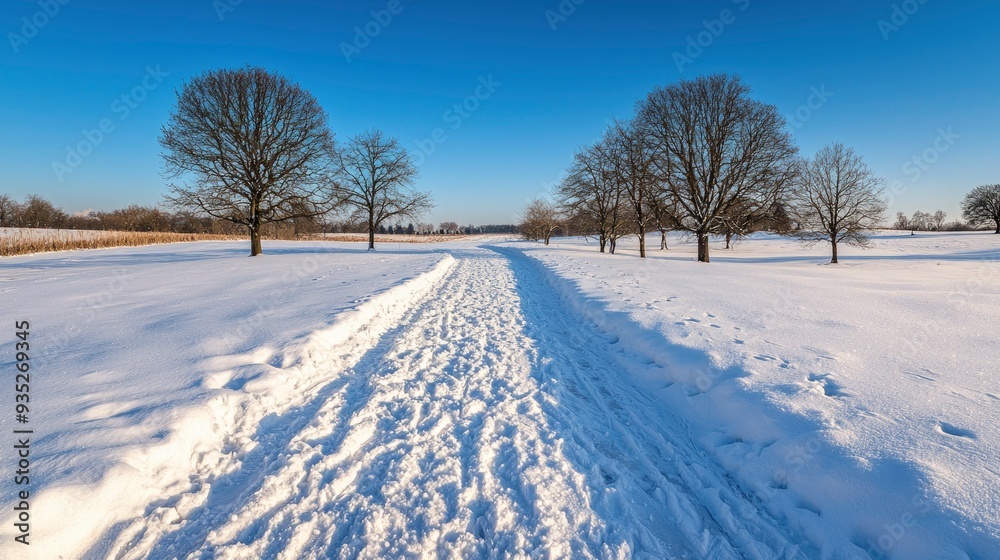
{"x": 665, "y": 480}
{"x": 490, "y": 423}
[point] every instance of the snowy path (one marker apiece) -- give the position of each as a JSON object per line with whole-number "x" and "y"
{"x": 490, "y": 423}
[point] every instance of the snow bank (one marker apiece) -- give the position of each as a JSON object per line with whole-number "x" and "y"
{"x": 154, "y": 367}
{"x": 858, "y": 402}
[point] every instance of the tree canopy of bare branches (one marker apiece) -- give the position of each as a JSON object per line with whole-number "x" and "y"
{"x": 593, "y": 195}
{"x": 377, "y": 175}
{"x": 251, "y": 147}
{"x": 719, "y": 152}
{"x": 838, "y": 199}
{"x": 9, "y": 209}
{"x": 982, "y": 206}
{"x": 635, "y": 169}
{"x": 36, "y": 212}
{"x": 939, "y": 218}
{"x": 540, "y": 220}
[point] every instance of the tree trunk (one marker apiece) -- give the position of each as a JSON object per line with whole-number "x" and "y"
{"x": 663, "y": 240}
{"x": 604, "y": 242}
{"x": 255, "y": 246}
{"x": 612, "y": 244}
{"x": 371, "y": 235}
{"x": 703, "y": 247}
{"x": 729, "y": 241}
{"x": 642, "y": 242}
{"x": 998, "y": 228}
{"x": 834, "y": 261}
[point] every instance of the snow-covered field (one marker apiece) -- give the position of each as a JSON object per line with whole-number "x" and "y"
{"x": 858, "y": 403}
{"x": 488, "y": 399}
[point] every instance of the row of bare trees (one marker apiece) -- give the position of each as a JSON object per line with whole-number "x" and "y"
{"x": 703, "y": 157}
{"x": 37, "y": 212}
{"x": 980, "y": 209}
{"x": 253, "y": 148}
{"x": 921, "y": 221}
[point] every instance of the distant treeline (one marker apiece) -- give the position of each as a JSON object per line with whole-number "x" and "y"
{"x": 922, "y": 221}
{"x": 37, "y": 212}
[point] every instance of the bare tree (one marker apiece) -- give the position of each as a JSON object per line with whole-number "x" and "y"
{"x": 902, "y": 221}
{"x": 36, "y": 212}
{"x": 540, "y": 220}
{"x": 982, "y": 206}
{"x": 939, "y": 218}
{"x": 664, "y": 211}
{"x": 593, "y": 195}
{"x": 636, "y": 171}
{"x": 449, "y": 227}
{"x": 739, "y": 221}
{"x": 921, "y": 221}
{"x": 253, "y": 147}
{"x": 8, "y": 211}
{"x": 778, "y": 221}
{"x": 838, "y": 199}
{"x": 377, "y": 175}
{"x": 718, "y": 151}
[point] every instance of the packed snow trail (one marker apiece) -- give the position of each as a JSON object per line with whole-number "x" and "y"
{"x": 490, "y": 423}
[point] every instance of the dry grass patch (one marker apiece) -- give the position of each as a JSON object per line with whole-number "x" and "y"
{"x": 25, "y": 242}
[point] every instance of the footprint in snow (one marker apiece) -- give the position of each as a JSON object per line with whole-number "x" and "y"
{"x": 955, "y": 431}
{"x": 830, "y": 387}
{"x": 609, "y": 478}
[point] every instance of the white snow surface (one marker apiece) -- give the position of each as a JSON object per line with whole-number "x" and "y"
{"x": 859, "y": 402}
{"x": 495, "y": 400}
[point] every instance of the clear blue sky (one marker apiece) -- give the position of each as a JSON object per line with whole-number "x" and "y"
{"x": 557, "y": 87}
